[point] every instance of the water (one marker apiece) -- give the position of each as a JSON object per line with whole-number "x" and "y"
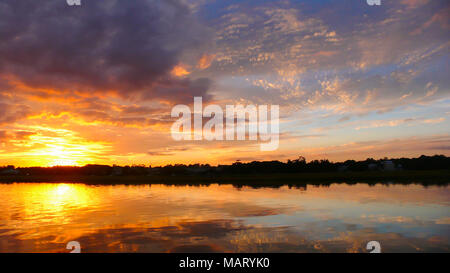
{"x": 43, "y": 217}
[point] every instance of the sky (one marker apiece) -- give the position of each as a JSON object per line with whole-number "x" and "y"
{"x": 96, "y": 83}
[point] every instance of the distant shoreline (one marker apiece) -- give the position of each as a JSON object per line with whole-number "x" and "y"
{"x": 424, "y": 177}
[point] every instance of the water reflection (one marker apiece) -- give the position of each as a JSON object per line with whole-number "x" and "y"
{"x": 41, "y": 217}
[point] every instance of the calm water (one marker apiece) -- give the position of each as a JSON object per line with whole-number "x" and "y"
{"x": 339, "y": 218}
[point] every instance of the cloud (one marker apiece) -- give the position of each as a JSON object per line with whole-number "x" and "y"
{"x": 169, "y": 151}
{"x": 398, "y": 122}
{"x": 98, "y": 68}
{"x": 434, "y": 121}
{"x": 6, "y": 136}
{"x": 205, "y": 61}
{"x": 286, "y": 53}
{"x": 180, "y": 71}
{"x": 385, "y": 123}
{"x": 414, "y": 3}
{"x": 23, "y": 135}
{"x": 397, "y": 147}
{"x": 122, "y": 47}
{"x": 180, "y": 90}
{"x": 3, "y": 135}
{"x": 10, "y": 113}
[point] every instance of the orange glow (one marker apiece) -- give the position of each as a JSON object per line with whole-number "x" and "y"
{"x": 205, "y": 61}
{"x": 56, "y": 147}
{"x": 180, "y": 71}
{"x": 109, "y": 216}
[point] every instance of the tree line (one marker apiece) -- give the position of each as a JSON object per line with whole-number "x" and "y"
{"x": 299, "y": 165}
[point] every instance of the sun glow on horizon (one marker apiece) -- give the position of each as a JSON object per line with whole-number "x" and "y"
{"x": 56, "y": 147}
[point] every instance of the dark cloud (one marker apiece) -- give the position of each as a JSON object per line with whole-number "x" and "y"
{"x": 132, "y": 121}
{"x": 138, "y": 110}
{"x": 10, "y": 113}
{"x": 22, "y": 135}
{"x": 3, "y": 135}
{"x": 128, "y": 47}
{"x": 175, "y": 90}
{"x": 18, "y": 135}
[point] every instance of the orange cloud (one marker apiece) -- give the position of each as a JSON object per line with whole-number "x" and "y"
{"x": 180, "y": 70}
{"x": 414, "y": 3}
{"x": 205, "y": 61}
{"x": 325, "y": 53}
{"x": 51, "y": 146}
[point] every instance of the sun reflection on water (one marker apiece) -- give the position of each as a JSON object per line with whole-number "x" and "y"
{"x": 43, "y": 217}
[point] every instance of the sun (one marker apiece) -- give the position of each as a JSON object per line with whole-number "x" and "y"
{"x": 62, "y": 189}
{"x": 61, "y": 155}
{"x": 58, "y": 147}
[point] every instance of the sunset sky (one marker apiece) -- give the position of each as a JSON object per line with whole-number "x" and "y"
{"x": 97, "y": 83}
